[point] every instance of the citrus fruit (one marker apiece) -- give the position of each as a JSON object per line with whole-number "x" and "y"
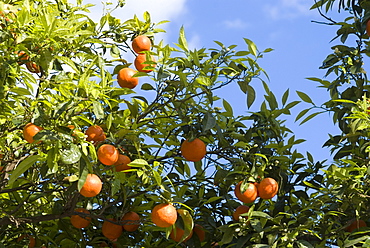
{"x": 240, "y": 210}
{"x": 131, "y": 221}
{"x": 22, "y": 57}
{"x": 122, "y": 163}
{"x": 108, "y": 154}
{"x": 140, "y": 59}
{"x": 193, "y": 150}
{"x": 125, "y": 78}
{"x": 32, "y": 242}
{"x": 33, "y": 67}
{"x": 92, "y": 186}
{"x": 199, "y": 231}
{"x": 164, "y": 215}
{"x": 178, "y": 233}
{"x": 249, "y": 195}
{"x": 267, "y": 188}
{"x": 29, "y": 131}
{"x": 80, "y": 221}
{"x": 95, "y": 133}
{"x": 141, "y": 43}
{"x": 355, "y": 224}
{"x": 111, "y": 230}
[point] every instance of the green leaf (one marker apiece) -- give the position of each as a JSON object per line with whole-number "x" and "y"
{"x": 157, "y": 177}
{"x": 251, "y": 96}
{"x": 115, "y": 186}
{"x": 285, "y": 97}
{"x": 310, "y": 117}
{"x": 138, "y": 163}
{"x": 209, "y": 122}
{"x": 82, "y": 179}
{"x": 21, "y": 91}
{"x": 301, "y": 114}
{"x": 22, "y": 167}
{"x": 206, "y": 81}
{"x": 228, "y": 108}
{"x": 70, "y": 155}
{"x": 98, "y": 110}
{"x": 68, "y": 62}
{"x": 213, "y": 198}
{"x": 182, "y": 40}
{"x": 304, "y": 97}
{"x": 251, "y": 46}
{"x": 188, "y": 222}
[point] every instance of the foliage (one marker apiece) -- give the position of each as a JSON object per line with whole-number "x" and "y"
{"x": 76, "y": 88}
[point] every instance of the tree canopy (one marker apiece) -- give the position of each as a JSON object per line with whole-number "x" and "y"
{"x": 88, "y": 162}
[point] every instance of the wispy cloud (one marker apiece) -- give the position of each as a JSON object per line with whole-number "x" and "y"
{"x": 288, "y": 9}
{"x": 235, "y": 24}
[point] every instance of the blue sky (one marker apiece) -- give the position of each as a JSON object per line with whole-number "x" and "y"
{"x": 299, "y": 46}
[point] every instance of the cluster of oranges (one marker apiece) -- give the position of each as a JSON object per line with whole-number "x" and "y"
{"x": 140, "y": 45}
{"x": 266, "y": 189}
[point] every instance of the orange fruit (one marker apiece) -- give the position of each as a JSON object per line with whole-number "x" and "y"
{"x": 29, "y": 131}
{"x": 92, "y": 186}
{"x": 240, "y": 210}
{"x": 249, "y": 195}
{"x": 178, "y": 233}
{"x": 140, "y": 59}
{"x": 141, "y": 43}
{"x": 108, "y": 154}
{"x": 111, "y": 230}
{"x": 164, "y": 215}
{"x": 33, "y": 67}
{"x": 79, "y": 221}
{"x": 22, "y": 56}
{"x": 199, "y": 231}
{"x": 95, "y": 133}
{"x": 267, "y": 188}
{"x": 257, "y": 184}
{"x": 355, "y": 224}
{"x": 32, "y": 242}
{"x": 122, "y": 163}
{"x": 125, "y": 78}
{"x": 131, "y": 221}
{"x": 193, "y": 150}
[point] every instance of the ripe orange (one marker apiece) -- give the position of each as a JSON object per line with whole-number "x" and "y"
{"x": 249, "y": 195}
{"x": 122, "y": 163}
{"x": 125, "y": 78}
{"x": 79, "y": 221}
{"x": 130, "y": 221}
{"x": 177, "y": 234}
{"x": 95, "y": 133}
{"x": 111, "y": 230}
{"x": 199, "y": 231}
{"x": 164, "y": 215}
{"x": 141, "y": 43}
{"x": 355, "y": 224}
{"x": 268, "y": 188}
{"x": 108, "y": 154}
{"x": 193, "y": 150}
{"x": 29, "y": 131}
{"x": 92, "y": 186}
{"x": 240, "y": 210}
{"x": 33, "y": 67}
{"x": 140, "y": 59}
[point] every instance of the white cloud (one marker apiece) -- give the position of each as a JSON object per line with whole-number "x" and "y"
{"x": 288, "y": 9}
{"x": 235, "y": 24}
{"x": 194, "y": 42}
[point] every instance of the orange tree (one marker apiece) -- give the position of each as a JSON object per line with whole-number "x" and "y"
{"x": 78, "y": 143}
